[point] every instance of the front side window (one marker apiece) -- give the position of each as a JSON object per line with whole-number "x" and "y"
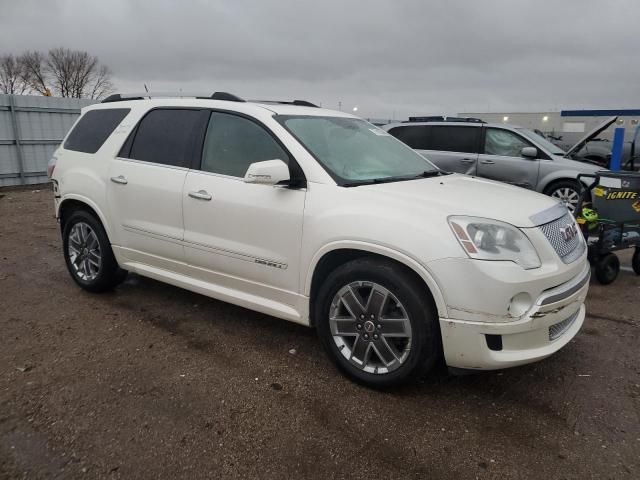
{"x": 454, "y": 139}
{"x": 165, "y": 136}
{"x": 543, "y": 142}
{"x": 504, "y": 143}
{"x": 232, "y": 143}
{"x": 93, "y": 129}
{"x": 354, "y": 151}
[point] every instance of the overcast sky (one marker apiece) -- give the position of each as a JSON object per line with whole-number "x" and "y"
{"x": 390, "y": 58}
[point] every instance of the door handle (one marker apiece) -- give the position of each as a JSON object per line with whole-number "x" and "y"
{"x": 467, "y": 160}
{"x": 487, "y": 162}
{"x": 119, "y": 179}
{"x": 200, "y": 195}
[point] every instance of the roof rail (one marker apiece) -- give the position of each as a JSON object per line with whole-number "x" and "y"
{"x": 440, "y": 118}
{"x": 299, "y": 103}
{"x": 229, "y": 97}
{"x": 121, "y": 97}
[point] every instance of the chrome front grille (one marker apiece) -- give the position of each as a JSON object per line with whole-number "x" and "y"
{"x": 557, "y": 329}
{"x": 568, "y": 250}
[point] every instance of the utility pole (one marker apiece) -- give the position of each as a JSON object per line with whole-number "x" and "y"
{"x": 340, "y": 106}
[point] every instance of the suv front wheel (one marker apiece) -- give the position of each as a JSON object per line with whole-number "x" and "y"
{"x": 88, "y": 254}
{"x": 567, "y": 191}
{"x": 377, "y": 323}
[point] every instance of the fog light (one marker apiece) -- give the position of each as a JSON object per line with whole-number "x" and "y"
{"x": 519, "y": 304}
{"x": 494, "y": 342}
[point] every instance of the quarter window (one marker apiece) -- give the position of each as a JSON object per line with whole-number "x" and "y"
{"x": 93, "y": 129}
{"x": 232, "y": 143}
{"x": 166, "y": 136}
{"x": 504, "y": 143}
{"x": 416, "y": 136}
{"x": 454, "y": 139}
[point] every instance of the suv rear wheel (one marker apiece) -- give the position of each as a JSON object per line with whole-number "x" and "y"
{"x": 88, "y": 254}
{"x": 377, "y": 323}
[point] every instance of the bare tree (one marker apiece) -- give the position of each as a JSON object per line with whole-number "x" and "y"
{"x": 65, "y": 72}
{"x": 77, "y": 74}
{"x": 102, "y": 85}
{"x": 13, "y": 78}
{"x": 36, "y": 72}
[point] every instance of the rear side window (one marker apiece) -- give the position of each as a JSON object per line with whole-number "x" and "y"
{"x": 416, "y": 136}
{"x": 454, "y": 139}
{"x": 233, "y": 143}
{"x": 93, "y": 129}
{"x": 165, "y": 136}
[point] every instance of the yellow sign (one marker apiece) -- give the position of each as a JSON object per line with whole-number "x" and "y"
{"x": 599, "y": 192}
{"x": 622, "y": 195}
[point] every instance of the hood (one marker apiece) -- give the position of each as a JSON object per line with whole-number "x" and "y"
{"x": 592, "y": 134}
{"x": 463, "y": 195}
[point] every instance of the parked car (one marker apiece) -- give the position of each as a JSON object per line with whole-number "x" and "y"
{"x": 599, "y": 151}
{"x": 502, "y": 152}
{"x": 320, "y": 218}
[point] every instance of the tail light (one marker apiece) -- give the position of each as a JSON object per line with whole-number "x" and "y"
{"x": 51, "y": 165}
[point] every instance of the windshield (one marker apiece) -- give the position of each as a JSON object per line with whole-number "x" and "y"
{"x": 541, "y": 141}
{"x": 356, "y": 152}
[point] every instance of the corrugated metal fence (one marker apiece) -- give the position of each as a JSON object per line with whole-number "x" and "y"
{"x": 31, "y": 128}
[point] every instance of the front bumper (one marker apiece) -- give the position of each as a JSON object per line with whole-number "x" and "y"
{"x": 554, "y": 318}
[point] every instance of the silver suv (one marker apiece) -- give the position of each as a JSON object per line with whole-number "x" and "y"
{"x": 506, "y": 153}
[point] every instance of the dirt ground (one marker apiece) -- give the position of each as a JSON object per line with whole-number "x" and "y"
{"x": 151, "y": 381}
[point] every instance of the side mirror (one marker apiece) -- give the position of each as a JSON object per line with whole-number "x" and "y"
{"x": 529, "y": 152}
{"x": 269, "y": 172}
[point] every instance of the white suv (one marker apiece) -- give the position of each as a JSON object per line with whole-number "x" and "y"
{"x": 323, "y": 219}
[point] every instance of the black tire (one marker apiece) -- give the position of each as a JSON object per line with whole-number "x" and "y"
{"x": 557, "y": 188}
{"x": 425, "y": 343}
{"x": 607, "y": 268}
{"x": 108, "y": 274}
{"x": 635, "y": 261}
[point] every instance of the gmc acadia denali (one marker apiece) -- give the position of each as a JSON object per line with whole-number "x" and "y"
{"x": 323, "y": 219}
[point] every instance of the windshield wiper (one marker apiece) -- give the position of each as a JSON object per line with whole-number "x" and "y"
{"x": 397, "y": 178}
{"x": 432, "y": 173}
{"x": 425, "y": 174}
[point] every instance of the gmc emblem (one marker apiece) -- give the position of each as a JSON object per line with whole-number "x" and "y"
{"x": 569, "y": 231}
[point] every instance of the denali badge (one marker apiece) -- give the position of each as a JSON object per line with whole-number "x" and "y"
{"x": 569, "y": 231}
{"x": 269, "y": 263}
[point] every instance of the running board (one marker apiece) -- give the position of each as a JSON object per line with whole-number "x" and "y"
{"x": 229, "y": 295}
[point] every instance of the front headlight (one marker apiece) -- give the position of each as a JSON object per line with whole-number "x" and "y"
{"x": 486, "y": 239}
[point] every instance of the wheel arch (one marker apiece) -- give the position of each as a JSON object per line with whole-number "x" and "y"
{"x": 333, "y": 255}
{"x": 70, "y": 203}
{"x": 551, "y": 180}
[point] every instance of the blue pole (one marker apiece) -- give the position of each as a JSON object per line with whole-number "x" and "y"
{"x": 616, "y": 152}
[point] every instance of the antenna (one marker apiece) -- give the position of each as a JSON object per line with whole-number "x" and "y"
{"x": 145, "y": 88}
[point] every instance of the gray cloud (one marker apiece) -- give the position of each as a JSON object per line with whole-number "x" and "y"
{"x": 388, "y": 57}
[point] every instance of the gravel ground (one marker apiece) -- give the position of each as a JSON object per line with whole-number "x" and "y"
{"x": 151, "y": 381}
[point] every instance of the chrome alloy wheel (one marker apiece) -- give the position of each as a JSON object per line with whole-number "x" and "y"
{"x": 370, "y": 327}
{"x": 568, "y": 196}
{"x": 84, "y": 251}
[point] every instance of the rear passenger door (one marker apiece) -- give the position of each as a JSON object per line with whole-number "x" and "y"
{"x": 451, "y": 148}
{"x": 454, "y": 148}
{"x": 501, "y": 159}
{"x": 145, "y": 187}
{"x": 239, "y": 235}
